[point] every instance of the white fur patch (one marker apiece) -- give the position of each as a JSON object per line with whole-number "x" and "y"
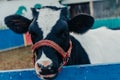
{"x": 43, "y": 58}
{"x": 102, "y": 45}
{"x": 47, "y": 19}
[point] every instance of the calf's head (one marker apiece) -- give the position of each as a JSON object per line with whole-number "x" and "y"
{"x": 50, "y": 28}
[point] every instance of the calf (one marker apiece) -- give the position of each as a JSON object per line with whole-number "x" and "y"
{"x": 59, "y": 40}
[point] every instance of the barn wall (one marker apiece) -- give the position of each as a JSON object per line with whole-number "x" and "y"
{"x": 108, "y": 22}
{"x": 21, "y": 7}
{"x": 9, "y": 39}
{"x": 106, "y": 9}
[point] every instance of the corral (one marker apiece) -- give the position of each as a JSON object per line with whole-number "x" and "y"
{"x": 14, "y": 60}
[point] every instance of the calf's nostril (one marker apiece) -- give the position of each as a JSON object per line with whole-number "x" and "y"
{"x": 40, "y": 65}
{"x": 50, "y": 66}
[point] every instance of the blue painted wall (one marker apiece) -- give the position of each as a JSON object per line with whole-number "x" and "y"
{"x": 87, "y": 72}
{"x": 8, "y": 39}
{"x": 108, "y": 22}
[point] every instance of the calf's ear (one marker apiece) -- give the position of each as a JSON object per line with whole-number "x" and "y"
{"x": 17, "y": 23}
{"x": 81, "y": 23}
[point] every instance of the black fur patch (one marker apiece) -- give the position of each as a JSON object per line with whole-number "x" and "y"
{"x": 81, "y": 23}
{"x": 17, "y": 23}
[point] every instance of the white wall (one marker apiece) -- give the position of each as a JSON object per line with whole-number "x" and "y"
{"x": 10, "y": 7}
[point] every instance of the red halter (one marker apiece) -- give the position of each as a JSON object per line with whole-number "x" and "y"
{"x": 65, "y": 55}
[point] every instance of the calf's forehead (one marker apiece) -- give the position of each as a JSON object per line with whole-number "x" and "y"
{"x": 47, "y": 19}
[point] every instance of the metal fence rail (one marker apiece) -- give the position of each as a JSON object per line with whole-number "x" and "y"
{"x": 80, "y": 72}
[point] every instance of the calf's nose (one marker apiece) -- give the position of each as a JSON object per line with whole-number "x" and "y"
{"x": 45, "y": 69}
{"x": 45, "y": 63}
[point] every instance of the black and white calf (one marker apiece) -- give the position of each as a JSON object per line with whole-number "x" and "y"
{"x": 59, "y": 40}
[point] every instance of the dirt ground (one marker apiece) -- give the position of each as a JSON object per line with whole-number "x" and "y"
{"x": 19, "y": 58}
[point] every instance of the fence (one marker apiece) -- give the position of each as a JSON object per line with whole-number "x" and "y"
{"x": 86, "y": 72}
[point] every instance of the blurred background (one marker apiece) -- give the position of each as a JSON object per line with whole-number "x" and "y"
{"x": 15, "y": 49}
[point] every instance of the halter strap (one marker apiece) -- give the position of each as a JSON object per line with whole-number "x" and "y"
{"x": 65, "y": 55}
